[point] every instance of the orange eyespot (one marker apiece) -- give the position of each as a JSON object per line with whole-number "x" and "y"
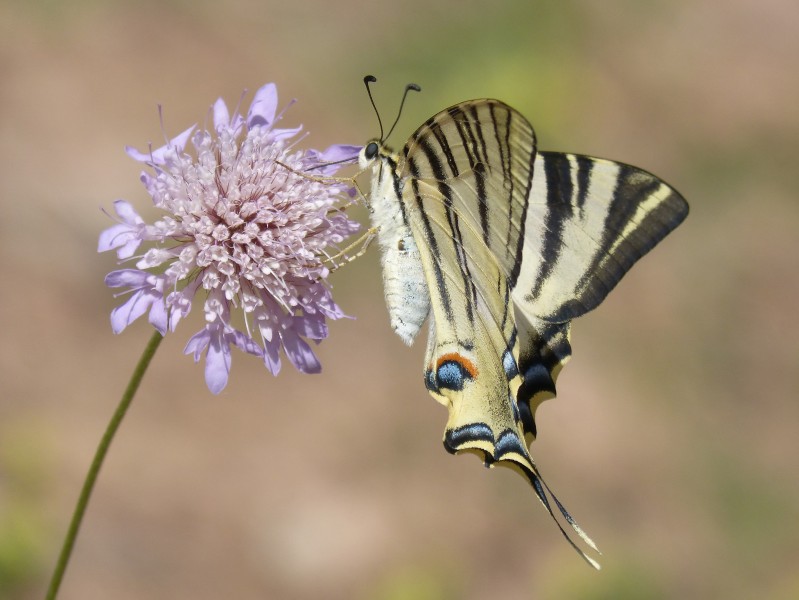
{"x": 454, "y": 357}
{"x": 451, "y": 372}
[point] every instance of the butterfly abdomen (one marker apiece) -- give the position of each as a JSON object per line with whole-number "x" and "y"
{"x": 404, "y": 286}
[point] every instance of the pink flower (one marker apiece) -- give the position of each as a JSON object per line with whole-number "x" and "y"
{"x": 242, "y": 232}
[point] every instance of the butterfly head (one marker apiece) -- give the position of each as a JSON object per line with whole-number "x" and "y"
{"x": 373, "y": 152}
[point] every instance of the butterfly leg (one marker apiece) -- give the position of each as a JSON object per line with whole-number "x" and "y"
{"x": 319, "y": 178}
{"x": 352, "y": 181}
{"x": 363, "y": 241}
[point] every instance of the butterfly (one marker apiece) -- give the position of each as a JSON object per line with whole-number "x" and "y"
{"x": 500, "y": 246}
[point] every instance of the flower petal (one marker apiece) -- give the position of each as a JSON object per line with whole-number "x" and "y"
{"x": 340, "y": 152}
{"x": 155, "y": 257}
{"x": 263, "y": 107}
{"x": 121, "y": 237}
{"x": 126, "y": 278}
{"x": 282, "y": 134}
{"x": 323, "y": 300}
{"x": 244, "y": 342}
{"x": 198, "y": 342}
{"x": 136, "y": 306}
{"x": 300, "y": 353}
{"x": 217, "y": 360}
{"x": 221, "y": 115}
{"x": 158, "y": 156}
{"x": 127, "y": 213}
{"x": 272, "y": 355}
{"x": 180, "y": 303}
{"x": 159, "y": 317}
{"x": 310, "y": 326}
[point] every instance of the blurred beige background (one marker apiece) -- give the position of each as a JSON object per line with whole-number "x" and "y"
{"x": 674, "y": 437}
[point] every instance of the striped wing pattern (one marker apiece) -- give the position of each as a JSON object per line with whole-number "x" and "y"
{"x": 514, "y": 244}
{"x": 588, "y": 221}
{"x": 451, "y": 167}
{"x": 485, "y": 153}
{"x": 466, "y": 211}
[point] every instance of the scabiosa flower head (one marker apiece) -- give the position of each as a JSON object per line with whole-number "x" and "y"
{"x": 243, "y": 232}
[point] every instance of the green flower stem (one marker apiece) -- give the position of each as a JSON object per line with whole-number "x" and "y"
{"x": 99, "y": 456}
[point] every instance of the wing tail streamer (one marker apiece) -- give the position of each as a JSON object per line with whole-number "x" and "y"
{"x": 508, "y": 451}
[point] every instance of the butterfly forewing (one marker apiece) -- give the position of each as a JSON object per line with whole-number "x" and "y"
{"x": 485, "y": 151}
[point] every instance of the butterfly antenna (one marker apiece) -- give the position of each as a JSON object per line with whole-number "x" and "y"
{"x": 333, "y": 162}
{"x": 367, "y": 80}
{"x": 408, "y": 88}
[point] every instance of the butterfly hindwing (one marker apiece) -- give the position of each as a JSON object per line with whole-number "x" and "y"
{"x": 564, "y": 228}
{"x": 588, "y": 220}
{"x": 473, "y": 351}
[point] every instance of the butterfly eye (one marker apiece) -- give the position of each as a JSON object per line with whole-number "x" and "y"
{"x": 371, "y": 150}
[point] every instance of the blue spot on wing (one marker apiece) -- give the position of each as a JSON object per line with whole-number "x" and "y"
{"x": 455, "y": 438}
{"x": 509, "y": 364}
{"x": 451, "y": 375}
{"x": 508, "y": 442}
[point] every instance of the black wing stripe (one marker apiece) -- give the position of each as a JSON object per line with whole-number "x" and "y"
{"x": 630, "y": 229}
{"x": 503, "y": 146}
{"x": 480, "y": 170}
{"x": 455, "y": 237}
{"x": 558, "y": 186}
{"x": 478, "y": 126}
{"x": 455, "y": 112}
{"x": 476, "y": 163}
{"x": 505, "y": 158}
{"x": 584, "y": 167}
{"x": 446, "y": 302}
{"x": 546, "y": 349}
{"x": 519, "y": 255}
{"x": 441, "y": 138}
{"x": 463, "y": 263}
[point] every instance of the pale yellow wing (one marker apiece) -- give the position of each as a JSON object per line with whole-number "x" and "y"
{"x": 473, "y": 349}
{"x": 514, "y": 244}
{"x": 563, "y": 228}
